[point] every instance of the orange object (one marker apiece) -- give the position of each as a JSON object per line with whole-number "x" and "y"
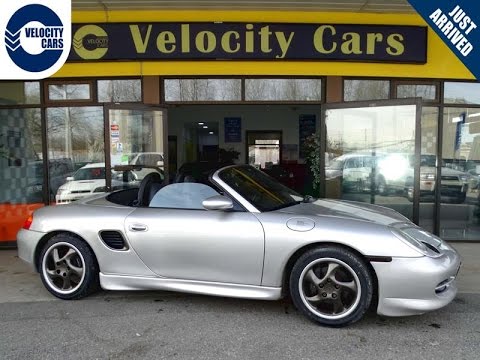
{"x": 12, "y": 218}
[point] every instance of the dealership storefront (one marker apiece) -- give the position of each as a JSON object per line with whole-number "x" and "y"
{"x": 373, "y": 108}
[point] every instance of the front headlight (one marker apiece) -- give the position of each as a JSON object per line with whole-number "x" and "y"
{"x": 464, "y": 178}
{"x": 62, "y": 191}
{"x": 410, "y": 241}
{"x": 428, "y": 176}
{"x": 420, "y": 240}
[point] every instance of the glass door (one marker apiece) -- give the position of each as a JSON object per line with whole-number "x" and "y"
{"x": 137, "y": 145}
{"x": 372, "y": 154}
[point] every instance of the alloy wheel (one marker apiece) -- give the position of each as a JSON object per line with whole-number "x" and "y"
{"x": 330, "y": 288}
{"x": 63, "y": 267}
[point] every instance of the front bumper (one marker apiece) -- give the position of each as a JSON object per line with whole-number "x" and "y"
{"x": 27, "y": 241}
{"x": 407, "y": 286}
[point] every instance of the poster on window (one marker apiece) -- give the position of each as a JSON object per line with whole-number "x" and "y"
{"x": 306, "y": 128}
{"x": 233, "y": 129}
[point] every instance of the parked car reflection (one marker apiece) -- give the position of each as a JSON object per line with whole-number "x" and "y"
{"x": 90, "y": 179}
{"x": 58, "y": 170}
{"x": 393, "y": 173}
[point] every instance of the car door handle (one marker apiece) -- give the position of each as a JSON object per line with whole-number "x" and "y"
{"x": 138, "y": 227}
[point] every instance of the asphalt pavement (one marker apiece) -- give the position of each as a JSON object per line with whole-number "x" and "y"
{"x": 167, "y": 325}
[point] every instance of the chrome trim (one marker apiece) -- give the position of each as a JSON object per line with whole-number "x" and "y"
{"x": 128, "y": 283}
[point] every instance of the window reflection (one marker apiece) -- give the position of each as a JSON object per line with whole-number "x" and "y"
{"x": 21, "y": 161}
{"x": 428, "y": 167}
{"x": 75, "y": 141}
{"x": 202, "y": 89}
{"x": 283, "y": 89}
{"x": 358, "y": 90}
{"x": 370, "y": 155}
{"x": 119, "y": 90}
{"x": 460, "y": 208}
{"x": 19, "y": 92}
{"x": 462, "y": 93}
{"x": 69, "y": 92}
{"x": 427, "y": 92}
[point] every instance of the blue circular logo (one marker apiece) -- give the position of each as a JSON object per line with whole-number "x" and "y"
{"x": 34, "y": 38}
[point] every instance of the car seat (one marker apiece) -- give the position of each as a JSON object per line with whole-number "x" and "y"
{"x": 148, "y": 187}
{"x": 189, "y": 179}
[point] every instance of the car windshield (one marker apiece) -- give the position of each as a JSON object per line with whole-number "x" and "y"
{"x": 261, "y": 190}
{"x": 93, "y": 173}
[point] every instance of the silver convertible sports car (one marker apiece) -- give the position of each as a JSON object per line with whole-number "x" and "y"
{"x": 239, "y": 233}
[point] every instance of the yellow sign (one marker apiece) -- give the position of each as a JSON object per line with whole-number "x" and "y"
{"x": 90, "y": 42}
{"x": 250, "y": 41}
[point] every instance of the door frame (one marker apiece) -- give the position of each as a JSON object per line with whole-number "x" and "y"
{"x": 417, "y": 143}
{"x": 280, "y": 132}
{"x": 106, "y": 132}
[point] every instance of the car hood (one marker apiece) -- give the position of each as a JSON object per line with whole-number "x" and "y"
{"x": 348, "y": 210}
{"x": 332, "y": 173}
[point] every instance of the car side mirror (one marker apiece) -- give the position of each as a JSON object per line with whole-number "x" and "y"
{"x": 69, "y": 178}
{"x": 217, "y": 202}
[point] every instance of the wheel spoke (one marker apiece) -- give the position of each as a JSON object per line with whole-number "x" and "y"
{"x": 338, "y": 306}
{"x": 313, "y": 278}
{"x": 56, "y": 256}
{"x": 314, "y": 299}
{"x": 68, "y": 255}
{"x": 53, "y": 273}
{"x": 330, "y": 274}
{"x": 349, "y": 285}
{"x": 67, "y": 285}
{"x": 77, "y": 270}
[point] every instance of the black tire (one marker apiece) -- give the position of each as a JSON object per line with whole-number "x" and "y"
{"x": 54, "y": 275}
{"x": 356, "y": 269}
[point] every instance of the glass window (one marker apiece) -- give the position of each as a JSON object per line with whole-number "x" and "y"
{"x": 462, "y": 93}
{"x": 19, "y": 93}
{"x": 427, "y": 92}
{"x": 58, "y": 92}
{"x": 21, "y": 168}
{"x": 75, "y": 143}
{"x": 283, "y": 89}
{"x": 370, "y": 151}
{"x": 459, "y": 208}
{"x": 203, "y": 89}
{"x": 428, "y": 167}
{"x": 119, "y": 90}
{"x": 182, "y": 196}
{"x": 262, "y": 191}
{"x": 358, "y": 90}
{"x": 136, "y": 145}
